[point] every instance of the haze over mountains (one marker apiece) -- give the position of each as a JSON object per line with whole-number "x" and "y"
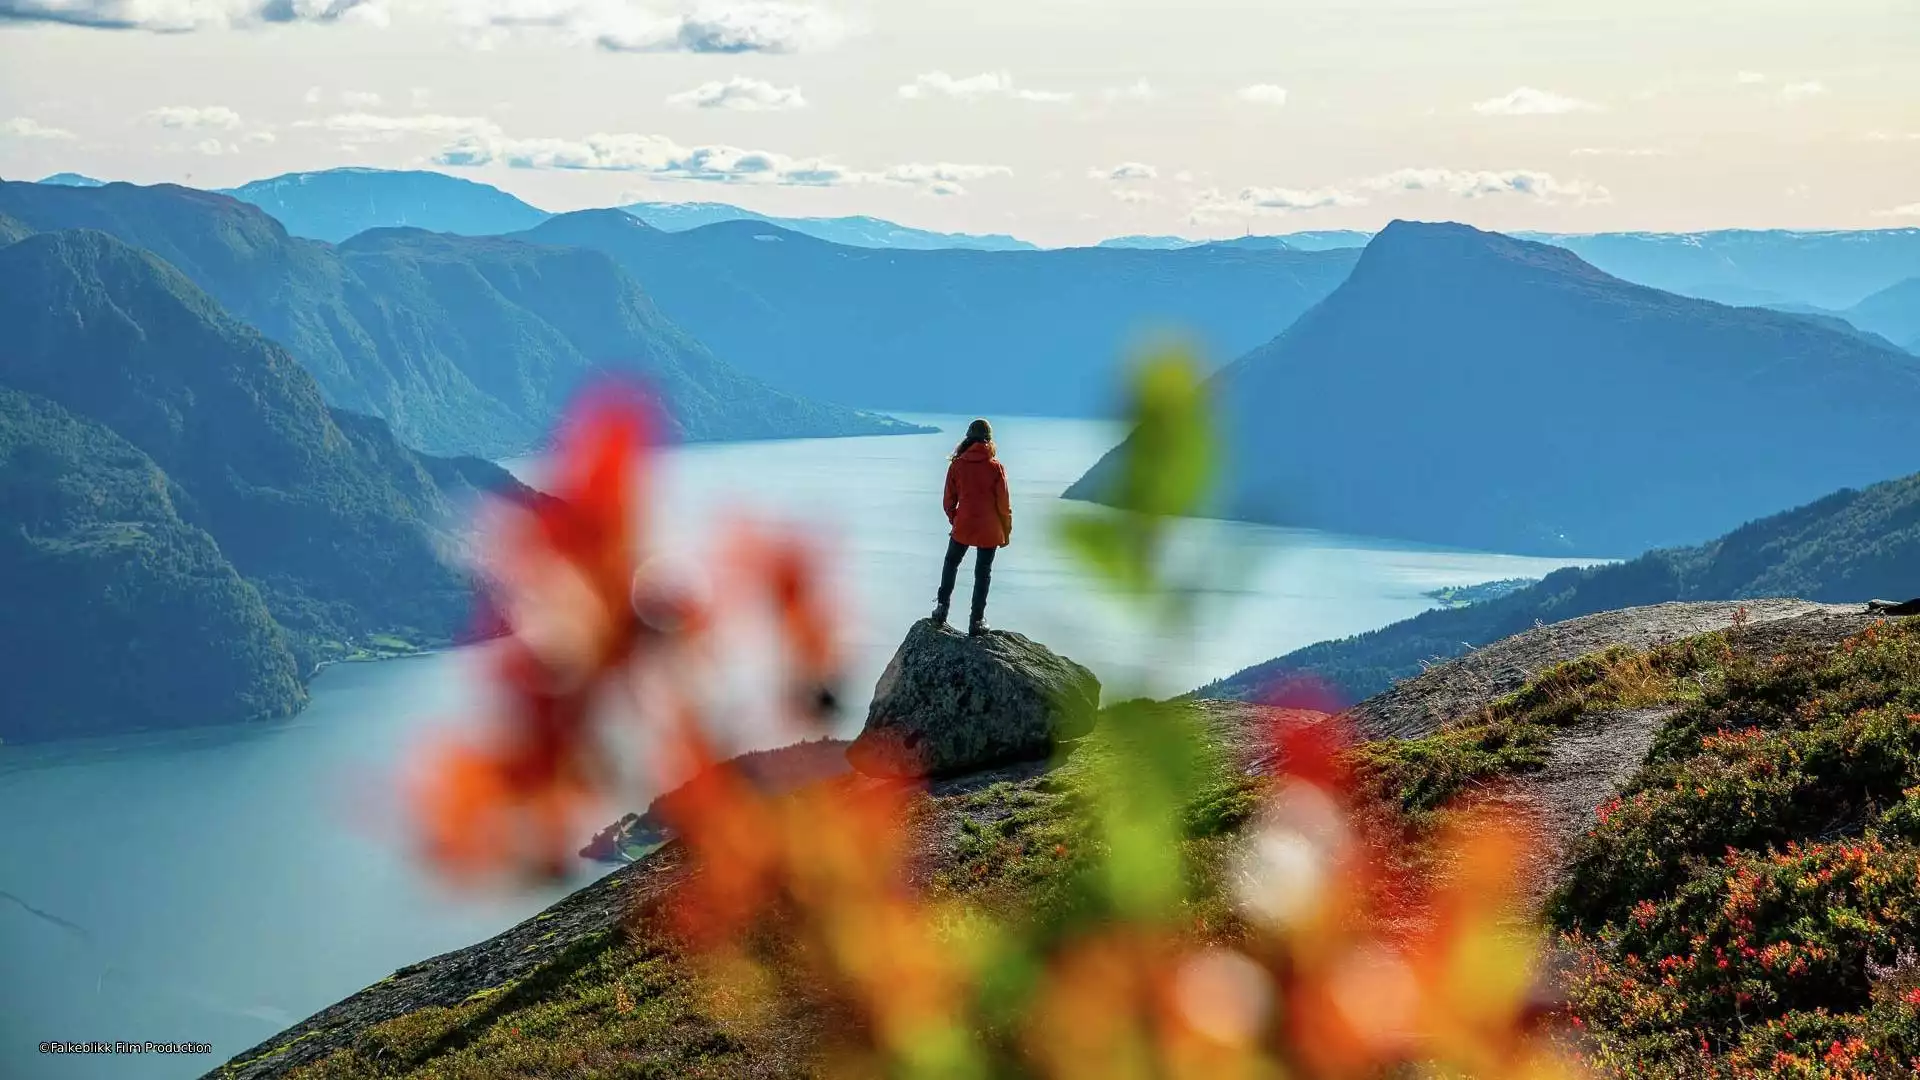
{"x": 1830, "y": 270}
{"x": 1893, "y": 313}
{"x": 1473, "y": 390}
{"x": 1039, "y": 332}
{"x": 1827, "y": 271}
{"x": 856, "y": 231}
{"x": 464, "y": 345}
{"x": 190, "y": 528}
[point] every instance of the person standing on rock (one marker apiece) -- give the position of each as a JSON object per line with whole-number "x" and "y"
{"x": 981, "y": 514}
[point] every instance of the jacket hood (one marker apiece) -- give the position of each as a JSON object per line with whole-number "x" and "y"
{"x": 977, "y": 452}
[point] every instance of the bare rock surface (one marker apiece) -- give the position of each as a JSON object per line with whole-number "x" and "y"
{"x": 949, "y": 704}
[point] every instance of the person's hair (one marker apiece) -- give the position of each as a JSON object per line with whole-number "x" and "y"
{"x": 977, "y": 432}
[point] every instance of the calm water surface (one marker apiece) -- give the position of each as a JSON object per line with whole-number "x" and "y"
{"x": 219, "y": 885}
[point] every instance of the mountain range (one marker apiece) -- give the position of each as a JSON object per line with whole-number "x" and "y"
{"x": 859, "y": 231}
{"x": 464, "y": 345}
{"x": 191, "y": 529}
{"x": 1478, "y": 391}
{"x": 1893, "y": 313}
{"x": 1851, "y": 546}
{"x": 1830, "y": 270}
{"x": 334, "y": 204}
{"x": 1036, "y": 332}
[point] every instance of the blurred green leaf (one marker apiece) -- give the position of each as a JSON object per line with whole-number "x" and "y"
{"x": 1170, "y": 455}
{"x": 1151, "y": 772}
{"x": 1110, "y": 546}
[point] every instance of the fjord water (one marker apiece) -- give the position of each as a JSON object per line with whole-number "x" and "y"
{"x": 217, "y": 886}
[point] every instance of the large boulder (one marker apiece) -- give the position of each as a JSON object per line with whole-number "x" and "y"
{"x": 949, "y": 704}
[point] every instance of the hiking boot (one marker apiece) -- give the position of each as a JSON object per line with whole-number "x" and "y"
{"x": 977, "y": 628}
{"x": 939, "y": 614}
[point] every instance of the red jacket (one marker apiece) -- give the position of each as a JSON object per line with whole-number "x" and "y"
{"x": 976, "y": 499}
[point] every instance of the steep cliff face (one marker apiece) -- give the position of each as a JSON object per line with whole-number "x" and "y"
{"x": 119, "y": 613}
{"x": 158, "y": 443}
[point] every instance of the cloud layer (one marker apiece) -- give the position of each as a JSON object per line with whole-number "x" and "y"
{"x": 741, "y": 93}
{"x": 712, "y": 26}
{"x": 661, "y": 157}
{"x": 1527, "y": 101}
{"x": 180, "y": 16}
{"x": 25, "y": 127}
{"x": 190, "y": 117}
{"x": 987, "y": 84}
{"x": 1458, "y": 183}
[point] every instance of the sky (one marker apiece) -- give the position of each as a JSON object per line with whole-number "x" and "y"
{"x": 1059, "y": 121}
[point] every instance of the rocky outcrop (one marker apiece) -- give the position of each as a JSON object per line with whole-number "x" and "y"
{"x": 948, "y": 704}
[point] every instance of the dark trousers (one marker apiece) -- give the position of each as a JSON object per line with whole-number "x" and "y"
{"x": 982, "y": 575}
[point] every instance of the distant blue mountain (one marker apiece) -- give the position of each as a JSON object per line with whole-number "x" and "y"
{"x": 72, "y": 179}
{"x": 1893, "y": 312}
{"x": 1833, "y": 270}
{"x": 1336, "y": 240}
{"x": 1256, "y": 243}
{"x": 863, "y": 232}
{"x": 334, "y": 204}
{"x": 1150, "y": 243}
{"x": 1026, "y": 332}
{"x": 1467, "y": 389}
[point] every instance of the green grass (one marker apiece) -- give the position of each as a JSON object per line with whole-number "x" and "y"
{"x": 607, "y": 1006}
{"x": 1511, "y": 735}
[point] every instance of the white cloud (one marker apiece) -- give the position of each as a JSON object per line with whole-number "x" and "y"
{"x": 1620, "y": 151}
{"x": 1134, "y": 195}
{"x": 1263, "y": 94}
{"x": 1129, "y": 170}
{"x": 1476, "y": 183}
{"x": 312, "y": 96}
{"x": 1801, "y": 91}
{"x": 1183, "y": 176}
{"x": 1139, "y": 91}
{"x": 359, "y": 99}
{"x": 261, "y": 137}
{"x": 1285, "y": 199}
{"x": 191, "y": 117}
{"x": 714, "y": 26}
{"x": 215, "y": 148}
{"x": 419, "y": 96}
{"x": 944, "y": 178}
{"x": 1749, "y": 78}
{"x": 1527, "y": 101}
{"x": 1893, "y": 136}
{"x": 1211, "y": 205}
{"x": 1909, "y": 210}
{"x": 739, "y": 92}
{"x": 25, "y": 127}
{"x": 976, "y": 87}
{"x": 366, "y": 127}
{"x": 661, "y": 157}
{"x": 177, "y": 16}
